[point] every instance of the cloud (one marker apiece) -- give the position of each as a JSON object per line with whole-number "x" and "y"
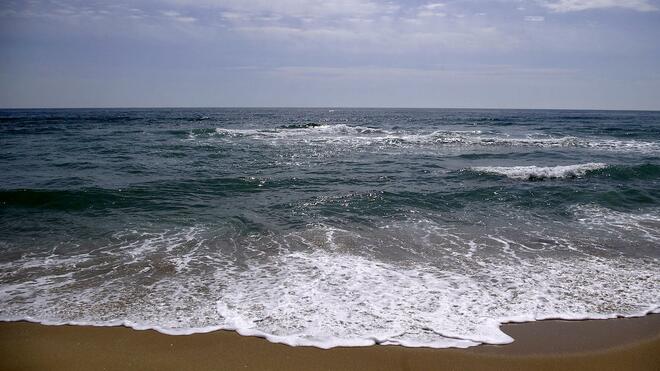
{"x": 432, "y": 10}
{"x": 359, "y": 25}
{"x": 379, "y": 27}
{"x": 172, "y": 14}
{"x": 376, "y": 72}
{"x": 564, "y": 6}
{"x": 295, "y": 8}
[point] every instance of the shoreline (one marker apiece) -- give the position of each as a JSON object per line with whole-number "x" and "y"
{"x": 609, "y": 344}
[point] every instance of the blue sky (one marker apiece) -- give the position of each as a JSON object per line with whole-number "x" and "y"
{"x": 366, "y": 53}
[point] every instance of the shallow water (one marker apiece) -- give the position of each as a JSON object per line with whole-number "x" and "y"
{"x": 329, "y": 227}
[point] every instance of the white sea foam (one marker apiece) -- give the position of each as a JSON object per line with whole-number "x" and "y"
{"x": 360, "y": 135}
{"x": 623, "y": 226}
{"x": 321, "y": 294}
{"x": 350, "y": 134}
{"x": 328, "y": 300}
{"x": 320, "y": 129}
{"x": 539, "y": 173}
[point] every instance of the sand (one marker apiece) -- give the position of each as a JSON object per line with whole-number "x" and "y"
{"x": 620, "y": 344}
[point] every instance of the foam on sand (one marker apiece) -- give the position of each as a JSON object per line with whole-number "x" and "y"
{"x": 328, "y": 300}
{"x": 311, "y": 290}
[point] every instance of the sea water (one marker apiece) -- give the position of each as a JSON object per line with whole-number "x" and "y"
{"x": 329, "y": 227}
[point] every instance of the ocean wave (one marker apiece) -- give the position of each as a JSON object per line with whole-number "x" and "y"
{"x": 301, "y": 126}
{"x": 627, "y": 172}
{"x": 541, "y": 173}
{"x": 315, "y": 133}
{"x": 322, "y": 295}
{"x": 96, "y": 198}
{"x": 328, "y": 300}
{"x": 309, "y": 129}
{"x": 93, "y": 198}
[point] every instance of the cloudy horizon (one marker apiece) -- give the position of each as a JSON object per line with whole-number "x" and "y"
{"x": 590, "y": 54}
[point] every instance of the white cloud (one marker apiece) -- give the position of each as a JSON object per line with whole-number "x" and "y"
{"x": 564, "y": 6}
{"x": 364, "y": 26}
{"x": 355, "y": 25}
{"x": 383, "y": 36}
{"x": 295, "y": 8}
{"x": 178, "y": 16}
{"x": 433, "y": 6}
{"x": 431, "y": 13}
{"x": 432, "y": 10}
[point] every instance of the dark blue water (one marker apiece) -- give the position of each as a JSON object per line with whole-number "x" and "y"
{"x": 328, "y": 227}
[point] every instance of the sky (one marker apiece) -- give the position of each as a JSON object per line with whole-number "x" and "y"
{"x": 582, "y": 54}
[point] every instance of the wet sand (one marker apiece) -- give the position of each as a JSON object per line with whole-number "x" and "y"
{"x": 620, "y": 344}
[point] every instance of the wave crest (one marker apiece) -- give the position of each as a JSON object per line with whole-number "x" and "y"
{"x": 541, "y": 173}
{"x": 321, "y": 133}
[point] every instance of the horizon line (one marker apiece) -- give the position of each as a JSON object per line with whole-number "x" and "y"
{"x": 331, "y": 107}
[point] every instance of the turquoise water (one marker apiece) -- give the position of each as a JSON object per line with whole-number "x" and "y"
{"x": 329, "y": 227}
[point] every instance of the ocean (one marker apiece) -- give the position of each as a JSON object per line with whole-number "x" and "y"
{"x": 329, "y": 227}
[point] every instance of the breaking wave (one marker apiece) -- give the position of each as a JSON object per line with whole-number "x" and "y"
{"x": 541, "y": 173}
{"x": 322, "y": 295}
{"x": 314, "y": 133}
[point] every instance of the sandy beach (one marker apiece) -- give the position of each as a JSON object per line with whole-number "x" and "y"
{"x": 620, "y": 344}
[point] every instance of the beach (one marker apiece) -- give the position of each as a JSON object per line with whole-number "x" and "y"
{"x": 619, "y": 344}
{"x": 392, "y": 237}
